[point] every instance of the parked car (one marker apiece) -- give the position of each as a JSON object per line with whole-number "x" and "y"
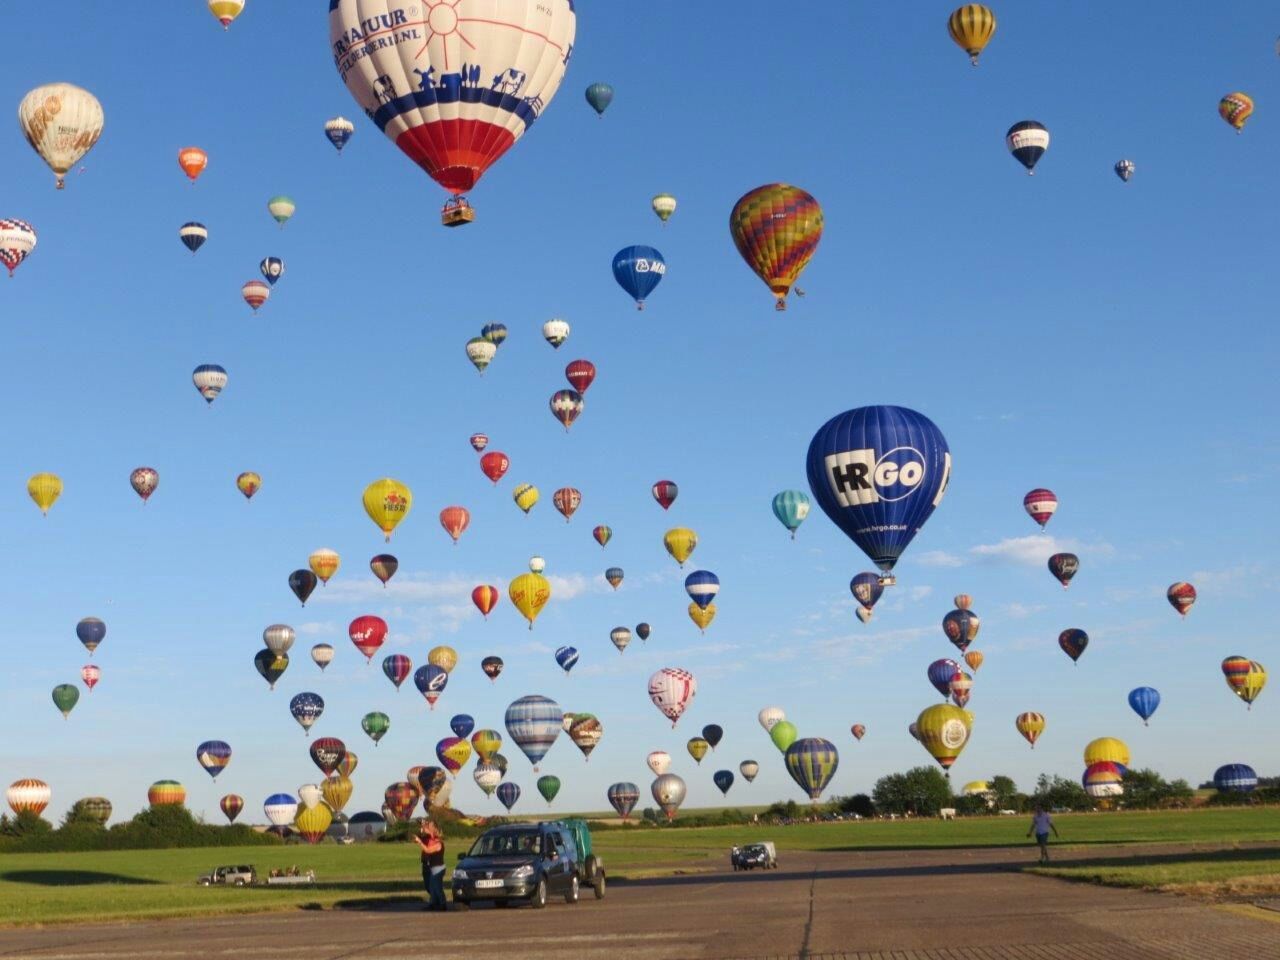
{"x": 240, "y": 876}
{"x": 519, "y": 862}
{"x": 763, "y": 855}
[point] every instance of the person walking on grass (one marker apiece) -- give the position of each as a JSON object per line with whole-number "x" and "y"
{"x": 431, "y": 843}
{"x": 1041, "y": 824}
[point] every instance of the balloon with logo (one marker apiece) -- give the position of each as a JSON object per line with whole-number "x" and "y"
{"x": 623, "y": 797}
{"x": 455, "y": 521}
{"x": 858, "y": 731}
{"x": 680, "y": 543}
{"x": 387, "y": 502}
{"x": 723, "y": 779}
{"x": 567, "y": 658}
{"x": 638, "y": 270}
{"x": 783, "y": 734}
{"x": 659, "y": 761}
{"x": 431, "y": 681}
{"x": 193, "y": 161}
{"x": 812, "y": 762}
{"x": 1073, "y": 642}
{"x": 339, "y": 131}
{"x": 669, "y": 792}
{"x": 328, "y": 753}
{"x": 1064, "y": 566}
{"x": 776, "y": 229}
{"x": 878, "y": 473}
{"x": 943, "y": 729}
{"x": 961, "y": 628}
{"x": 272, "y": 269}
{"x": 791, "y": 507}
{"x": 748, "y": 769}
{"x": 17, "y": 240}
{"x": 62, "y": 122}
{"x": 487, "y": 777}
{"x": 492, "y": 667}
{"x": 367, "y": 633}
{"x": 209, "y": 380}
{"x": 555, "y": 332}
{"x": 91, "y": 631}
{"x": 453, "y": 753}
{"x": 495, "y": 465}
{"x": 586, "y": 732}
{"x": 940, "y": 674}
{"x": 1245, "y": 677}
{"x": 508, "y": 794}
{"x": 533, "y": 723}
{"x": 866, "y": 589}
{"x": 697, "y": 748}
{"x": 1103, "y": 779}
{"x": 322, "y": 655}
{"x": 672, "y": 690}
{"x": 1030, "y": 725}
{"x": 462, "y": 724}
{"x": 1181, "y": 596}
{"x": 270, "y": 666}
{"x": 580, "y": 374}
{"x": 486, "y": 743}
{"x": 1144, "y": 701}
{"x": 620, "y": 637}
{"x": 566, "y": 500}
{"x": 479, "y": 441}
{"x": 213, "y": 756}
{"x": 1236, "y": 109}
{"x": 529, "y": 593}
{"x": 306, "y": 709}
{"x": 324, "y": 563}
{"x": 702, "y": 616}
{"x": 44, "y": 489}
{"x": 770, "y": 717}
{"x": 971, "y": 27}
{"x": 397, "y": 668}
{"x": 1027, "y": 140}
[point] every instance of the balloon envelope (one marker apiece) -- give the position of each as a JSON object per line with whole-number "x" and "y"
{"x": 533, "y": 723}
{"x": 638, "y": 270}
{"x": 776, "y": 229}
{"x": 812, "y": 762}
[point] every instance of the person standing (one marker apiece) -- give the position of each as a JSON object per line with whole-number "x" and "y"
{"x": 1041, "y": 824}
{"x": 431, "y": 843}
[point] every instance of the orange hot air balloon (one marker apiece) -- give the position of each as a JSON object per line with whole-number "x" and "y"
{"x": 776, "y": 228}
{"x": 974, "y": 659}
{"x": 455, "y": 521}
{"x": 567, "y": 500}
{"x": 192, "y": 160}
{"x": 485, "y": 598}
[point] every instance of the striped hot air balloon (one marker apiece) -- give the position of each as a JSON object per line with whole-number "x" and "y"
{"x": 533, "y": 722}
{"x": 1040, "y": 504}
{"x": 1181, "y": 596}
{"x": 971, "y": 27}
{"x": 1236, "y": 109}
{"x": 28, "y": 796}
{"x": 812, "y": 762}
{"x": 167, "y": 793}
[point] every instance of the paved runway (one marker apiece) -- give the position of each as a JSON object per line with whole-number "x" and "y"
{"x": 886, "y": 905}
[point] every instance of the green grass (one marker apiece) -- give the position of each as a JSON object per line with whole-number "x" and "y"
{"x": 39, "y": 888}
{"x": 1214, "y": 873}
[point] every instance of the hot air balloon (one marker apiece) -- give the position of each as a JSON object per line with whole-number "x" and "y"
{"x": 226, "y": 10}
{"x": 485, "y": 598}
{"x": 664, "y": 205}
{"x": 713, "y": 733}
{"x": 479, "y": 441}
{"x": 28, "y": 796}
{"x": 209, "y": 379}
{"x": 455, "y": 521}
{"x": 962, "y": 601}
{"x": 864, "y": 614}
{"x": 384, "y": 567}
{"x": 1181, "y": 596}
{"x": 1073, "y": 642}
{"x": 306, "y": 709}
{"x": 367, "y": 633}
{"x": 434, "y": 786}
{"x": 1144, "y": 701}
{"x": 193, "y": 161}
{"x": 144, "y": 481}
{"x": 961, "y": 628}
{"x": 255, "y": 294}
{"x": 166, "y": 793}
{"x": 281, "y": 209}
{"x": 486, "y": 743}
{"x": 638, "y": 270}
{"x": 586, "y": 732}
{"x": 659, "y": 761}
{"x": 481, "y": 353}
{"x": 453, "y": 753}
{"x": 1103, "y": 779}
{"x": 672, "y": 690}
{"x": 960, "y": 687}
{"x": 702, "y": 586}
{"x": 397, "y": 668}
{"x": 1246, "y": 678}
{"x": 974, "y": 659}
{"x": 665, "y": 492}
{"x": 17, "y": 240}
{"x": 1235, "y": 778}
{"x": 914, "y": 729}
{"x": 866, "y": 589}
{"x": 879, "y": 473}
{"x": 580, "y": 374}
{"x": 812, "y": 762}
{"x": 643, "y": 631}
{"x": 431, "y": 681}
{"x": 1124, "y": 169}
{"x": 791, "y": 507}
{"x": 487, "y": 777}
{"x": 623, "y": 797}
{"x": 495, "y": 465}
{"x": 387, "y": 502}
{"x": 1064, "y": 567}
{"x": 248, "y": 483}
{"x": 231, "y": 805}
{"x": 1236, "y": 109}
{"x": 508, "y": 794}
{"x": 723, "y": 779}
{"x": 971, "y": 27}
{"x": 858, "y": 731}
{"x": 566, "y": 501}
{"x": 328, "y": 753}
{"x": 526, "y": 497}
{"x": 375, "y": 725}
{"x": 940, "y": 674}
{"x": 495, "y": 333}
{"x": 748, "y": 769}
{"x": 324, "y": 563}
{"x": 65, "y": 698}
{"x": 313, "y": 822}
{"x": 783, "y": 734}
{"x": 533, "y": 723}
{"x": 401, "y": 798}
{"x": 1027, "y": 140}
{"x": 600, "y": 95}
{"x": 44, "y": 489}
{"x": 91, "y": 631}
{"x": 348, "y": 765}
{"x": 769, "y": 717}
{"x": 566, "y": 406}
{"x": 271, "y": 666}
{"x": 213, "y": 756}
{"x": 1030, "y": 725}
{"x": 529, "y": 592}
{"x": 614, "y": 576}
{"x": 567, "y": 658}
{"x": 193, "y": 235}
{"x": 697, "y": 748}
{"x": 322, "y": 655}
{"x": 944, "y": 731}
{"x": 620, "y": 637}
{"x": 89, "y": 676}
{"x": 1106, "y": 749}
{"x": 668, "y": 793}
{"x": 776, "y": 229}
{"x": 62, "y": 122}
{"x": 339, "y": 130}
{"x": 555, "y": 332}
{"x": 456, "y": 97}
{"x": 492, "y": 666}
{"x": 602, "y": 535}
{"x": 680, "y": 543}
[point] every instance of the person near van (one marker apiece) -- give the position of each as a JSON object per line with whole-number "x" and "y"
{"x": 431, "y": 843}
{"x": 1041, "y": 824}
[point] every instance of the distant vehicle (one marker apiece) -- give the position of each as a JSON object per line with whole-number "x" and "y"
{"x": 526, "y": 861}
{"x": 232, "y": 876}
{"x": 290, "y": 877}
{"x": 763, "y": 855}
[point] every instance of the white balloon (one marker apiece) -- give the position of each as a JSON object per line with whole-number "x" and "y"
{"x": 62, "y": 122}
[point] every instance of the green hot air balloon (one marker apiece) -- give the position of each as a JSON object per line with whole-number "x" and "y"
{"x": 65, "y": 698}
{"x": 812, "y": 763}
{"x": 548, "y": 786}
{"x": 791, "y": 507}
{"x": 783, "y": 734}
{"x": 376, "y": 725}
{"x": 600, "y": 95}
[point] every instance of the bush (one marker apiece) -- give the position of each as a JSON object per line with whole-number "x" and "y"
{"x": 921, "y": 791}
{"x": 153, "y": 828}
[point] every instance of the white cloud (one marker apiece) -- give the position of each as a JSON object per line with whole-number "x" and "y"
{"x": 317, "y": 629}
{"x": 919, "y": 592}
{"x": 1034, "y": 550}
{"x": 1242, "y": 580}
{"x": 1020, "y": 611}
{"x": 939, "y": 558}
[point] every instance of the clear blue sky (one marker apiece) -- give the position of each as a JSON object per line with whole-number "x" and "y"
{"x": 1115, "y": 343}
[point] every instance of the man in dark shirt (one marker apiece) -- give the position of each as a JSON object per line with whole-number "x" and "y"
{"x": 431, "y": 843}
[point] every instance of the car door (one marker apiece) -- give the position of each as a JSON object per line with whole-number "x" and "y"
{"x": 551, "y": 863}
{"x": 564, "y": 861}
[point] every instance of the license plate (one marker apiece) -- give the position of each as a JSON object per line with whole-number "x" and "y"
{"x": 487, "y": 884}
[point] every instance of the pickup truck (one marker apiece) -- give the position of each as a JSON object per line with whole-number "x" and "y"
{"x": 763, "y": 855}
{"x": 241, "y": 876}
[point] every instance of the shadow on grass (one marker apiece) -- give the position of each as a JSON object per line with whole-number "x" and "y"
{"x": 1189, "y": 858}
{"x": 73, "y": 878}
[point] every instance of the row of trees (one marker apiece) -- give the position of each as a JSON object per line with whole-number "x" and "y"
{"x": 150, "y": 829}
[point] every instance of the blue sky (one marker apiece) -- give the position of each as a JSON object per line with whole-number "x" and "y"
{"x": 1113, "y": 342}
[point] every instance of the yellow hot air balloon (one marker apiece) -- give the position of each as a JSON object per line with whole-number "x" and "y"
{"x": 944, "y": 730}
{"x": 248, "y": 483}
{"x": 324, "y": 563}
{"x": 226, "y": 11}
{"x": 446, "y": 658}
{"x": 974, "y": 659}
{"x": 312, "y": 822}
{"x": 1106, "y": 748}
{"x": 486, "y": 743}
{"x": 529, "y": 593}
{"x": 971, "y": 27}
{"x": 45, "y": 489}
{"x": 702, "y": 616}
{"x": 62, "y": 122}
{"x": 336, "y": 791}
{"x": 387, "y": 502}
{"x": 680, "y": 543}
{"x": 459, "y": 752}
{"x": 1030, "y": 725}
{"x": 525, "y": 496}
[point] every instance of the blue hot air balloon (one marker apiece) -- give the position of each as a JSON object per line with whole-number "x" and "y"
{"x": 193, "y": 235}
{"x": 723, "y": 779}
{"x": 508, "y": 793}
{"x": 91, "y": 631}
{"x": 1144, "y": 701}
{"x": 339, "y": 130}
{"x": 306, "y": 709}
{"x": 462, "y": 724}
{"x": 623, "y": 797}
{"x": 431, "y": 681}
{"x": 702, "y": 587}
{"x": 812, "y": 763}
{"x": 638, "y": 271}
{"x": 280, "y": 809}
{"x": 940, "y": 674}
{"x": 567, "y": 657}
{"x": 791, "y": 507}
{"x": 534, "y": 722}
{"x": 866, "y": 589}
{"x": 272, "y": 269}
{"x": 213, "y": 755}
{"x": 1235, "y": 778}
{"x": 878, "y": 473}
{"x": 495, "y": 333}
{"x": 600, "y": 95}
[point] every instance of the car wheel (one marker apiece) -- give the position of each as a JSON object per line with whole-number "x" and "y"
{"x": 592, "y": 866}
{"x": 571, "y": 894}
{"x": 239, "y": 883}
{"x": 598, "y": 884}
{"x": 539, "y": 898}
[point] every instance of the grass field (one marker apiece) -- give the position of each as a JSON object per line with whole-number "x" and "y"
{"x": 1218, "y": 873}
{"x": 40, "y": 888}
